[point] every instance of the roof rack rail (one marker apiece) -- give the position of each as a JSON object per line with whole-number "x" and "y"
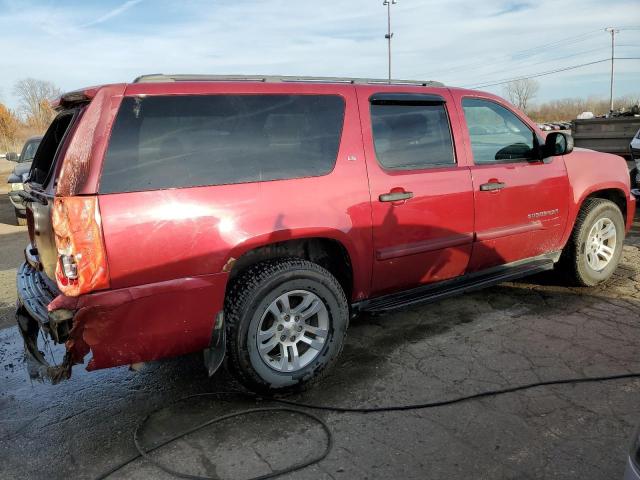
{"x": 160, "y": 77}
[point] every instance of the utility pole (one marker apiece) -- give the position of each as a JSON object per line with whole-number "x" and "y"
{"x": 613, "y": 31}
{"x": 388, "y": 3}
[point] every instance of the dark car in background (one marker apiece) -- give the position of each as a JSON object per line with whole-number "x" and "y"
{"x": 19, "y": 175}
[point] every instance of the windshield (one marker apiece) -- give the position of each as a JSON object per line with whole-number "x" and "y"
{"x": 29, "y": 151}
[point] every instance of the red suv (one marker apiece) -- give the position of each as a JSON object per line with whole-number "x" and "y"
{"x": 251, "y": 217}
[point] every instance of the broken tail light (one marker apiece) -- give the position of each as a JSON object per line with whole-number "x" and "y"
{"x": 82, "y": 262}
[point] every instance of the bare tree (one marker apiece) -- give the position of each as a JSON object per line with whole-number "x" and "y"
{"x": 34, "y": 96}
{"x": 520, "y": 92}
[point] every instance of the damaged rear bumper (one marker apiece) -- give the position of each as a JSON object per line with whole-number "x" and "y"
{"x": 35, "y": 292}
{"x": 120, "y": 326}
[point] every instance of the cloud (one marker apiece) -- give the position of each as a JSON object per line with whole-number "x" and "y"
{"x": 513, "y": 8}
{"x": 112, "y": 13}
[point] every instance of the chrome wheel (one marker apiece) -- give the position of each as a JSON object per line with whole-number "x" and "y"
{"x": 601, "y": 244}
{"x": 292, "y": 330}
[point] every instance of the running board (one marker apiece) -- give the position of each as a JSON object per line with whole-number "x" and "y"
{"x": 448, "y": 288}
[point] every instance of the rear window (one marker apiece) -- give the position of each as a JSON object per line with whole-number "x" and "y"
{"x": 163, "y": 142}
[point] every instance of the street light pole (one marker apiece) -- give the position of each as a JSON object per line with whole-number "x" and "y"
{"x": 388, "y": 3}
{"x": 613, "y": 47}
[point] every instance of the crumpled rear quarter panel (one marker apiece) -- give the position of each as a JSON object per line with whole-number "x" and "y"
{"x": 145, "y": 323}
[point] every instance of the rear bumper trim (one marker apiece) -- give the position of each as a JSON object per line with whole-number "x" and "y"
{"x": 35, "y": 292}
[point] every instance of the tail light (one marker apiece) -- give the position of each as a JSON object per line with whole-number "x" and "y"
{"x": 82, "y": 262}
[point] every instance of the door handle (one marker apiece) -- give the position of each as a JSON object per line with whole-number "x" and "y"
{"x": 492, "y": 186}
{"x": 395, "y": 196}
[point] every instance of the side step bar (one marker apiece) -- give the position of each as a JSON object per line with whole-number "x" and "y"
{"x": 449, "y": 288}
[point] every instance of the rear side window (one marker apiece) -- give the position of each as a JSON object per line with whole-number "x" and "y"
{"x": 163, "y": 142}
{"x": 497, "y": 135}
{"x": 410, "y": 137}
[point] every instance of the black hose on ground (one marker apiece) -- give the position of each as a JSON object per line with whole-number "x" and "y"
{"x": 144, "y": 453}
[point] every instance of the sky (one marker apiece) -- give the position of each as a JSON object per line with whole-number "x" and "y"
{"x": 459, "y": 42}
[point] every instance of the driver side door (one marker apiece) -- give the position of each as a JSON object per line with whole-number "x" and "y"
{"x": 521, "y": 201}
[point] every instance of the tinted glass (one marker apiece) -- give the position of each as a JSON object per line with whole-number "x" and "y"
{"x": 497, "y": 135}
{"x": 45, "y": 157}
{"x": 408, "y": 137}
{"x": 184, "y": 141}
{"x": 29, "y": 151}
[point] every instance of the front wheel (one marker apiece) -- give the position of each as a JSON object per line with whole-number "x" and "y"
{"x": 286, "y": 324}
{"x": 595, "y": 247}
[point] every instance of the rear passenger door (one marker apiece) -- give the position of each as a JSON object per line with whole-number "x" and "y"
{"x": 421, "y": 194}
{"x": 520, "y": 199}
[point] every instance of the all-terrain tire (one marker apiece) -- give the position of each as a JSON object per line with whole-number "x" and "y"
{"x": 573, "y": 262}
{"x": 247, "y": 300}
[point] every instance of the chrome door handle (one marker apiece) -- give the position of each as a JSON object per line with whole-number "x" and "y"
{"x": 395, "y": 196}
{"x": 492, "y": 186}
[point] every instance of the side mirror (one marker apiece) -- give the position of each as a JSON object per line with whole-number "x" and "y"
{"x": 558, "y": 143}
{"x": 11, "y": 156}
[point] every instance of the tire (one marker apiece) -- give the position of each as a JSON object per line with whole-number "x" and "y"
{"x": 575, "y": 260}
{"x": 20, "y": 220}
{"x": 249, "y": 309}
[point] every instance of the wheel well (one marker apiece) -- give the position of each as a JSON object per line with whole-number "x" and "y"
{"x": 614, "y": 195}
{"x": 327, "y": 253}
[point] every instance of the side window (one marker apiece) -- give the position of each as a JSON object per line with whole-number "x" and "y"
{"x": 497, "y": 135}
{"x": 411, "y": 137}
{"x": 178, "y": 141}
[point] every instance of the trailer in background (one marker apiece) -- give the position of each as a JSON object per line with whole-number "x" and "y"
{"x": 610, "y": 135}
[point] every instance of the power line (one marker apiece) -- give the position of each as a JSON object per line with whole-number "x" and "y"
{"x": 520, "y": 65}
{"x": 564, "y": 41}
{"x": 522, "y": 54}
{"x": 550, "y": 72}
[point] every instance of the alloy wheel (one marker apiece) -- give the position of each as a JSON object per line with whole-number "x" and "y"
{"x": 292, "y": 330}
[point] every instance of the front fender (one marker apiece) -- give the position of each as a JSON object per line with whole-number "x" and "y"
{"x": 590, "y": 172}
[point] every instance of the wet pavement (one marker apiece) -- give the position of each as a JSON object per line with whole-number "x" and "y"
{"x": 511, "y": 334}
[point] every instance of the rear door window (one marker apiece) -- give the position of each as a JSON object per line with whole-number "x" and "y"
{"x": 411, "y": 137}
{"x": 163, "y": 142}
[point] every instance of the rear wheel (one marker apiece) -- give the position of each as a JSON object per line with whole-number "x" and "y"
{"x": 286, "y": 324}
{"x": 595, "y": 247}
